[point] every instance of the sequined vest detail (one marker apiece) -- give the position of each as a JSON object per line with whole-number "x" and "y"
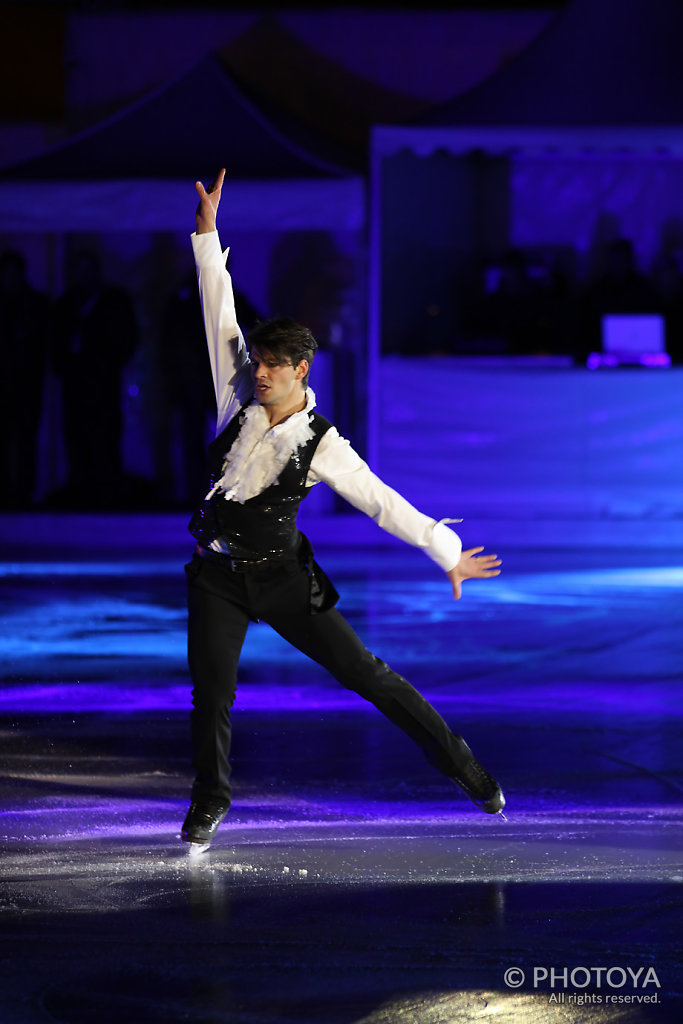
{"x": 265, "y": 525}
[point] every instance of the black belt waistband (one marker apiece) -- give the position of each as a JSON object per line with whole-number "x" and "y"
{"x": 238, "y": 564}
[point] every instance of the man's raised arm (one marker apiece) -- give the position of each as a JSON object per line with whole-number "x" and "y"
{"x": 227, "y": 351}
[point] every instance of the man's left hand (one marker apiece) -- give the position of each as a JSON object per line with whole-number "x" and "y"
{"x": 472, "y": 566}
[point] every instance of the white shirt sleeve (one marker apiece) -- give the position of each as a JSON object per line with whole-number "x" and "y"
{"x": 228, "y": 354}
{"x": 337, "y": 464}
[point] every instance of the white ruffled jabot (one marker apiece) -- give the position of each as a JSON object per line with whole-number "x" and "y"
{"x": 260, "y": 452}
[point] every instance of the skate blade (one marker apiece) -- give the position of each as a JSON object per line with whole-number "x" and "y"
{"x": 197, "y": 849}
{"x": 501, "y": 815}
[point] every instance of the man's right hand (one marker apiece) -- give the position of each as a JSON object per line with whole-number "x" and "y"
{"x": 209, "y": 198}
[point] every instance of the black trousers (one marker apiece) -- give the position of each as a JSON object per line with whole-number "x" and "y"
{"x": 221, "y": 604}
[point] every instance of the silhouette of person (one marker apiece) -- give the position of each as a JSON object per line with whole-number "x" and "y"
{"x": 23, "y": 341}
{"x": 667, "y": 278}
{"x": 516, "y": 311}
{"x": 95, "y": 335}
{"x": 310, "y": 280}
{"x": 186, "y": 379}
{"x": 620, "y": 287}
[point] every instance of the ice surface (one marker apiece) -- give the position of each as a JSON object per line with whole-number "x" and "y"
{"x": 350, "y": 884}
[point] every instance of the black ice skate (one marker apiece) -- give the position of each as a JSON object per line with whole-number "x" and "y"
{"x": 202, "y": 821}
{"x": 479, "y": 785}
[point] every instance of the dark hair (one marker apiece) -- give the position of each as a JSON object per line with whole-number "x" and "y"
{"x": 287, "y": 340}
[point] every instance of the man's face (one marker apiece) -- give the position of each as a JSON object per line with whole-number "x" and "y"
{"x": 275, "y": 382}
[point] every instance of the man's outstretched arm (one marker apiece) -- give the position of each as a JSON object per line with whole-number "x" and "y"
{"x": 338, "y": 465}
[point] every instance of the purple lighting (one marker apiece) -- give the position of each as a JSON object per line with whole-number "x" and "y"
{"x": 602, "y": 360}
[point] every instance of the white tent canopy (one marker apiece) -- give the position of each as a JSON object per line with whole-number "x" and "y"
{"x": 135, "y": 170}
{"x": 160, "y": 205}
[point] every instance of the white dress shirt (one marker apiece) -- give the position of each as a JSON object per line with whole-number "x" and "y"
{"x": 335, "y": 462}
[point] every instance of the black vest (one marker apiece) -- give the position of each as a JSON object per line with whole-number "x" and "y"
{"x": 263, "y": 526}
